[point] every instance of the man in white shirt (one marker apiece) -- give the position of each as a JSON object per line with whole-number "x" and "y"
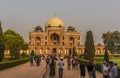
{"x": 102, "y": 66}
{"x": 114, "y": 71}
{"x": 60, "y": 64}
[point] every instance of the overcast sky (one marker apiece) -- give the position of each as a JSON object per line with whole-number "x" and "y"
{"x": 99, "y": 16}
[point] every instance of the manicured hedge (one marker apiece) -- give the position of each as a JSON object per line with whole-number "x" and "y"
{"x": 82, "y": 60}
{"x": 98, "y": 59}
{"x": 115, "y": 55}
{"x": 8, "y": 64}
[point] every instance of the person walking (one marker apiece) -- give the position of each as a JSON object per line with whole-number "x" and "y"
{"x": 82, "y": 69}
{"x": 47, "y": 61}
{"x": 103, "y": 66}
{"x": 69, "y": 63}
{"x": 52, "y": 69}
{"x": 73, "y": 63}
{"x": 61, "y": 64}
{"x": 76, "y": 64}
{"x": 94, "y": 69}
{"x": 38, "y": 60}
{"x": 31, "y": 60}
{"x": 91, "y": 71}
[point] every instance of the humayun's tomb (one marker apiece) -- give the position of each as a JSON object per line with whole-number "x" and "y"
{"x": 55, "y": 37}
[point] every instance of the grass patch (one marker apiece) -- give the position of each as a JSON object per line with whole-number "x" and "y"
{"x": 6, "y": 58}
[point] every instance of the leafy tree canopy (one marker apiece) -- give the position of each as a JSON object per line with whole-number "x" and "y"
{"x": 12, "y": 37}
{"x": 14, "y": 43}
{"x": 112, "y": 41}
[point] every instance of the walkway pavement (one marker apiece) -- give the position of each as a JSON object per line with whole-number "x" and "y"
{"x": 73, "y": 73}
{"x": 23, "y": 71}
{"x": 26, "y": 71}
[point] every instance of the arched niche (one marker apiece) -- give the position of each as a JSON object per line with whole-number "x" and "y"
{"x": 54, "y": 38}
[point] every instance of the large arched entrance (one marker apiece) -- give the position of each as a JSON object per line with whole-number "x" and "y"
{"x": 54, "y": 50}
{"x": 37, "y": 41}
{"x": 54, "y": 39}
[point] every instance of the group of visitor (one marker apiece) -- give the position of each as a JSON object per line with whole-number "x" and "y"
{"x": 72, "y": 62}
{"x": 51, "y": 62}
{"x": 109, "y": 70}
{"x": 34, "y": 59}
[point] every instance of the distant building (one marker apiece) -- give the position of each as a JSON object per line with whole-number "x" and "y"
{"x": 55, "y": 37}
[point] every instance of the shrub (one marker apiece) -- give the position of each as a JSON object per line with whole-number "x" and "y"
{"x": 8, "y": 64}
{"x": 23, "y": 55}
{"x": 98, "y": 59}
{"x": 115, "y": 55}
{"x": 82, "y": 60}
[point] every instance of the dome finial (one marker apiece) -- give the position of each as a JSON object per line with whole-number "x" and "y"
{"x": 55, "y": 15}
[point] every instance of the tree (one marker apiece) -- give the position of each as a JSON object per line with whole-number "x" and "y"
{"x": 2, "y": 45}
{"x": 32, "y": 53}
{"x": 11, "y": 37}
{"x": 15, "y": 51}
{"x": 118, "y": 49}
{"x": 70, "y": 52}
{"x": 112, "y": 41}
{"x": 23, "y": 55}
{"x": 89, "y": 46}
{"x": 25, "y": 46}
{"x": 2, "y": 48}
{"x": 74, "y": 53}
{"x": 106, "y": 56}
{"x": 14, "y": 40}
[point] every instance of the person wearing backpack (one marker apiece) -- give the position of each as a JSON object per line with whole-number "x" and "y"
{"x": 91, "y": 69}
{"x": 106, "y": 71}
{"x": 82, "y": 69}
{"x": 52, "y": 69}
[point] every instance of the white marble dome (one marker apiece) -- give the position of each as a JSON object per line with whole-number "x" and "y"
{"x": 54, "y": 22}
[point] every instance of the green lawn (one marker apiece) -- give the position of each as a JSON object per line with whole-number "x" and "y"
{"x": 114, "y": 59}
{"x": 6, "y": 58}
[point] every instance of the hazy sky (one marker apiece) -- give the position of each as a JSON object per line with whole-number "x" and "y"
{"x": 99, "y": 16}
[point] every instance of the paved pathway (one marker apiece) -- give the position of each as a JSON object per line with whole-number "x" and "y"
{"x": 23, "y": 71}
{"x": 26, "y": 71}
{"x": 73, "y": 73}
